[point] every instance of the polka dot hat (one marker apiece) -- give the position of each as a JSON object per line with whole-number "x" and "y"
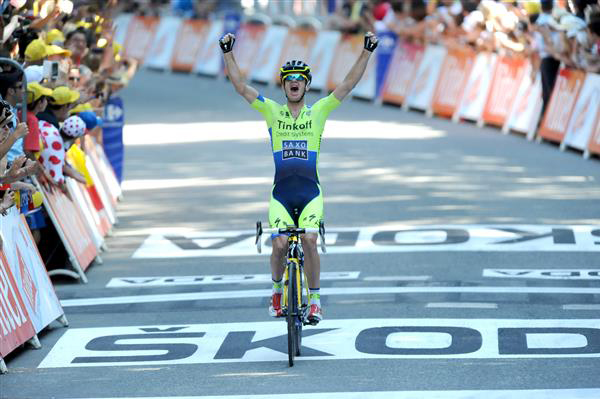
{"x": 73, "y": 126}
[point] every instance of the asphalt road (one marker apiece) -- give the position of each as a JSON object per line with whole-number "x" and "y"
{"x": 463, "y": 263}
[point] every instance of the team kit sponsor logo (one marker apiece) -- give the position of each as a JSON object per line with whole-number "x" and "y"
{"x": 294, "y": 149}
{"x": 331, "y": 340}
{"x": 376, "y": 239}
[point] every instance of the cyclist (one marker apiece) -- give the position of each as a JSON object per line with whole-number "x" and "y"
{"x": 296, "y": 131}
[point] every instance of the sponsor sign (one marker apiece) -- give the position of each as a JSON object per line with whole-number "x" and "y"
{"x": 453, "y": 78}
{"x": 140, "y": 34}
{"x": 269, "y": 54}
{"x": 15, "y": 325}
{"x": 386, "y": 239}
{"x": 544, "y": 274}
{"x": 298, "y": 44}
{"x": 401, "y": 72}
{"x": 91, "y": 217}
{"x": 564, "y": 97}
{"x": 190, "y": 39}
{"x": 121, "y": 27}
{"x": 69, "y": 221}
{"x": 476, "y": 92}
{"x": 120, "y": 282}
{"x": 210, "y": 56}
{"x": 426, "y": 78}
{"x": 248, "y": 42}
{"x": 506, "y": 81}
{"x": 384, "y": 54}
{"x": 29, "y": 271}
{"x": 331, "y": 340}
{"x": 161, "y": 50}
{"x": 585, "y": 113}
{"x": 526, "y": 110}
{"x": 321, "y": 57}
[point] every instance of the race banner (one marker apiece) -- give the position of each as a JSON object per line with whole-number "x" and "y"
{"x": 346, "y": 53}
{"x": 160, "y": 52}
{"x": 268, "y": 56}
{"x": 140, "y": 34}
{"x": 401, "y": 72}
{"x": 426, "y": 78}
{"x": 526, "y": 110}
{"x": 476, "y": 92}
{"x": 190, "y": 39}
{"x": 321, "y": 57}
{"x": 210, "y": 56}
{"x": 298, "y": 45}
{"x": 455, "y": 72}
{"x": 29, "y": 271}
{"x": 15, "y": 325}
{"x": 585, "y": 113}
{"x": 72, "y": 229}
{"x": 564, "y": 97}
{"x": 121, "y": 26}
{"x": 506, "y": 81}
{"x": 90, "y": 215}
{"x": 384, "y": 54}
{"x": 248, "y": 42}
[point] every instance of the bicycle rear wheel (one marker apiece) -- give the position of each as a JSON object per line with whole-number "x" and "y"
{"x": 292, "y": 313}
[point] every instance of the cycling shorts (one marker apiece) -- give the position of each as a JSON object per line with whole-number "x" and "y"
{"x": 296, "y": 201}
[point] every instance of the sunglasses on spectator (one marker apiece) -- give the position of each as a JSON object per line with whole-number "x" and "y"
{"x": 295, "y": 77}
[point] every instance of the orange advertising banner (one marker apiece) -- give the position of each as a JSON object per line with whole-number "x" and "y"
{"x": 140, "y": 35}
{"x": 453, "y": 80}
{"x": 70, "y": 221}
{"x": 346, "y": 53}
{"x": 508, "y": 75}
{"x": 563, "y": 100}
{"x": 401, "y": 72}
{"x": 298, "y": 46}
{"x": 248, "y": 41}
{"x": 190, "y": 40}
{"x": 16, "y": 327}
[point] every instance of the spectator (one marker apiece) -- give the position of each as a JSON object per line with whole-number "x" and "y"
{"x": 355, "y": 16}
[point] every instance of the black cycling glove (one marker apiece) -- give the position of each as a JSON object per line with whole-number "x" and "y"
{"x": 370, "y": 45}
{"x": 226, "y": 47}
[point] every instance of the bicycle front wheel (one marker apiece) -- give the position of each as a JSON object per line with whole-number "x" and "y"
{"x": 292, "y": 313}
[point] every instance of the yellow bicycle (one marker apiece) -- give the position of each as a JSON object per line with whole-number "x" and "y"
{"x": 295, "y": 293}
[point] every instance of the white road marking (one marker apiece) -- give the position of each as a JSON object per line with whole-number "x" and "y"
{"x": 544, "y": 274}
{"x": 591, "y": 393}
{"x": 465, "y": 305}
{"x": 120, "y": 282}
{"x": 198, "y": 296}
{"x": 385, "y": 239}
{"x": 583, "y": 306}
{"x": 397, "y": 278}
{"x": 335, "y": 339}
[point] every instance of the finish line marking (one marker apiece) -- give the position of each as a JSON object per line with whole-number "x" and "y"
{"x": 120, "y": 282}
{"x": 478, "y": 394}
{"x": 169, "y": 243}
{"x": 263, "y": 293}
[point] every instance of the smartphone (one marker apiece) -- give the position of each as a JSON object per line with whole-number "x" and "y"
{"x": 51, "y": 70}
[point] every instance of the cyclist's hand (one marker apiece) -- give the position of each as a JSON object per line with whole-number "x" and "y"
{"x": 226, "y": 42}
{"x": 370, "y": 41}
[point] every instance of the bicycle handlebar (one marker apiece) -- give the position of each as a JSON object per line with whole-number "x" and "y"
{"x": 292, "y": 230}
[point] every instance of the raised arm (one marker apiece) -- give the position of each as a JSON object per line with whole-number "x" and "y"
{"x": 358, "y": 69}
{"x": 233, "y": 71}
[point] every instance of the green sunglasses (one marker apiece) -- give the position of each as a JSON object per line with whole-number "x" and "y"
{"x": 295, "y": 77}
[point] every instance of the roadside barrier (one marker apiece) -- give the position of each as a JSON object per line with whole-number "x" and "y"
{"x": 82, "y": 219}
{"x": 452, "y": 82}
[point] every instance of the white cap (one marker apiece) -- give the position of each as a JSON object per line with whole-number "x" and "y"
{"x": 34, "y": 73}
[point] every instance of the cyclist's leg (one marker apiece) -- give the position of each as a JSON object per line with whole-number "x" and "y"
{"x": 310, "y": 217}
{"x": 278, "y": 217}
